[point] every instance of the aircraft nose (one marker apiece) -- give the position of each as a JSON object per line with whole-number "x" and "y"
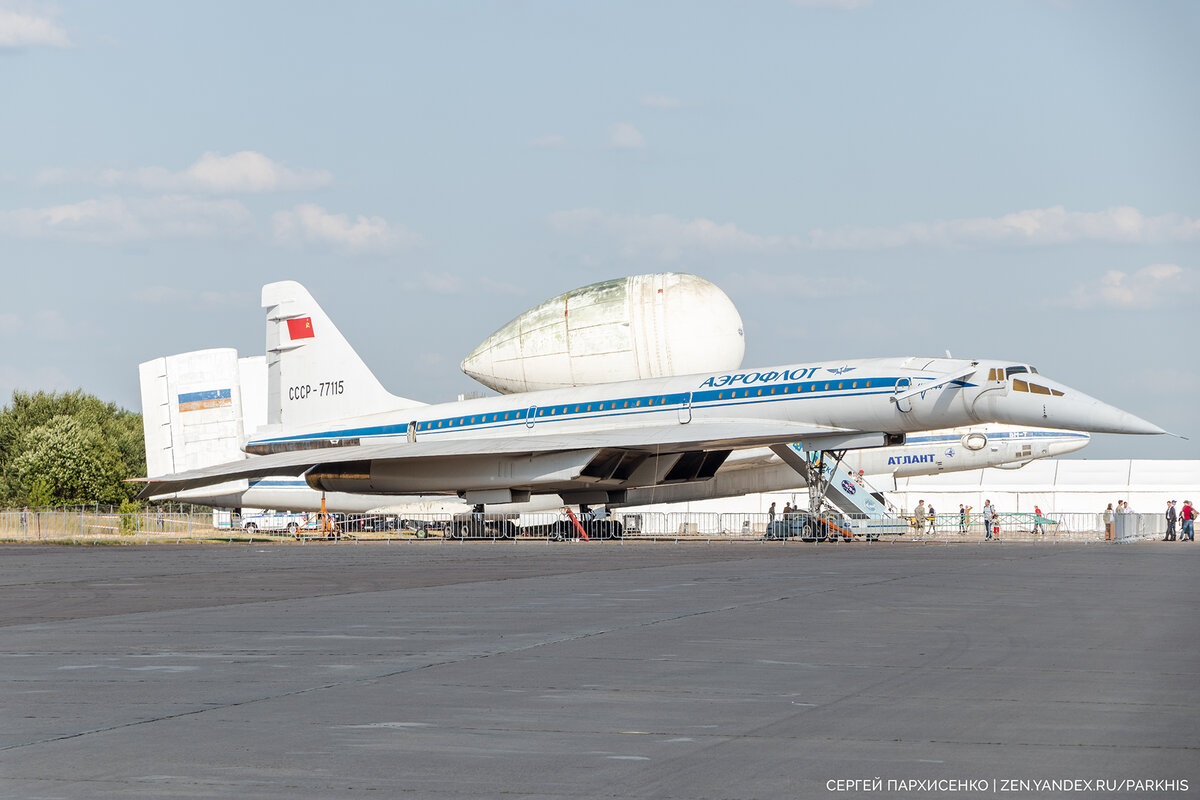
{"x": 1102, "y": 418}
{"x": 1047, "y": 403}
{"x": 1069, "y": 443}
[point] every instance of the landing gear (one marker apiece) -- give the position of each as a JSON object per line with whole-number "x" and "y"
{"x": 812, "y": 531}
{"x": 477, "y": 524}
{"x": 819, "y": 479}
{"x": 590, "y": 524}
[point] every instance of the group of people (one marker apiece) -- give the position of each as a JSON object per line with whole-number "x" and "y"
{"x": 1188, "y": 515}
{"x": 1110, "y": 519}
{"x": 788, "y": 511}
{"x": 926, "y": 513}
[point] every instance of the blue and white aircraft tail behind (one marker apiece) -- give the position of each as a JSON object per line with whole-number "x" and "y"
{"x": 330, "y": 421}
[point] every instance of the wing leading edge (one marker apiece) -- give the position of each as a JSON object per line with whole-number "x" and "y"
{"x": 663, "y": 439}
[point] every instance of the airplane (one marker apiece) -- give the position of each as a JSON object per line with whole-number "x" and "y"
{"x": 331, "y": 422}
{"x": 178, "y": 434}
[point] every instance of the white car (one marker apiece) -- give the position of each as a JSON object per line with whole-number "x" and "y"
{"x": 290, "y": 521}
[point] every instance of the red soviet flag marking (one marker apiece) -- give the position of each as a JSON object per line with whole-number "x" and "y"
{"x": 300, "y": 328}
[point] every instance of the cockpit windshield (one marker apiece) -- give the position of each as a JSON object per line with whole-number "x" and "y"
{"x": 1034, "y": 388}
{"x": 1010, "y": 371}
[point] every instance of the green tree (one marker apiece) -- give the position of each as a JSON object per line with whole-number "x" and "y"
{"x": 68, "y": 448}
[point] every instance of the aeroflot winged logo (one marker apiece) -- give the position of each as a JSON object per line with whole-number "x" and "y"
{"x": 300, "y": 328}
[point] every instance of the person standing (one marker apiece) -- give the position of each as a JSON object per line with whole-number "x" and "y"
{"x": 771, "y": 514}
{"x": 1109, "y": 517}
{"x": 932, "y": 519}
{"x": 989, "y": 520}
{"x": 1189, "y": 522}
{"x": 919, "y": 517}
{"x": 24, "y": 520}
{"x": 1172, "y": 515}
{"x": 964, "y": 513}
{"x": 1037, "y": 521}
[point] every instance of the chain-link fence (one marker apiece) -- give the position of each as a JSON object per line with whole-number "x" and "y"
{"x": 100, "y": 525}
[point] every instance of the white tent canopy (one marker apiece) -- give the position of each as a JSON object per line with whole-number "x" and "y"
{"x": 1056, "y": 486}
{"x": 1065, "y": 486}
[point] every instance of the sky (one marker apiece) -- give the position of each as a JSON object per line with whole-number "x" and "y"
{"x": 1015, "y": 180}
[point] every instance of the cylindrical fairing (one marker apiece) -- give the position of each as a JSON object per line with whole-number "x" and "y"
{"x": 644, "y": 326}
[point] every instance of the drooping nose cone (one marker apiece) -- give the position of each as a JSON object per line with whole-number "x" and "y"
{"x": 644, "y": 326}
{"x": 1110, "y": 419}
{"x": 1086, "y": 413}
{"x": 1044, "y": 402}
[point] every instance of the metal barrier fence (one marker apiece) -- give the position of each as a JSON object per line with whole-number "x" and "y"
{"x": 99, "y": 525}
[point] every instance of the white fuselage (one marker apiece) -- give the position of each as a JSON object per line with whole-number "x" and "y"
{"x": 851, "y": 395}
{"x": 753, "y": 470}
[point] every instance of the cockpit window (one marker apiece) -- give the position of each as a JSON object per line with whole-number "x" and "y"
{"x": 1010, "y": 371}
{"x": 1033, "y": 388}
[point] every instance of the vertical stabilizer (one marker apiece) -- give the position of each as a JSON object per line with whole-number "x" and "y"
{"x": 191, "y": 410}
{"x": 253, "y": 373}
{"x": 313, "y": 374}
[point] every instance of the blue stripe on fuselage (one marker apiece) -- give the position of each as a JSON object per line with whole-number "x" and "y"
{"x": 620, "y": 407}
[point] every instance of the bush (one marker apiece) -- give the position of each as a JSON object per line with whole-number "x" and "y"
{"x": 129, "y": 512}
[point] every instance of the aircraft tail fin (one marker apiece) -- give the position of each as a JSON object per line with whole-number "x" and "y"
{"x": 314, "y": 376}
{"x": 191, "y": 410}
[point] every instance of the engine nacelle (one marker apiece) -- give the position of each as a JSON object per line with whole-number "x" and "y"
{"x": 541, "y": 472}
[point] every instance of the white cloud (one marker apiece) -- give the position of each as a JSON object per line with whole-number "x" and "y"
{"x": 442, "y": 283}
{"x": 841, "y": 5}
{"x": 30, "y": 29}
{"x": 623, "y": 136}
{"x": 666, "y": 235}
{"x": 1040, "y": 226}
{"x": 660, "y": 101}
{"x": 804, "y": 286}
{"x": 47, "y": 324}
{"x": 42, "y": 378}
{"x": 1155, "y": 286}
{"x": 110, "y": 220}
{"x": 447, "y": 283}
{"x": 669, "y": 236}
{"x": 248, "y": 171}
{"x": 497, "y": 287}
{"x": 311, "y": 224}
{"x": 245, "y": 171}
{"x": 205, "y": 298}
{"x": 550, "y": 142}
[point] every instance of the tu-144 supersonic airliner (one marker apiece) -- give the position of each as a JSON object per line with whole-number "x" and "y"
{"x": 331, "y": 421}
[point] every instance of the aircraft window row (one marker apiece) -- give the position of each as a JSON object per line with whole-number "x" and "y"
{"x": 1033, "y": 388}
{"x": 613, "y": 405}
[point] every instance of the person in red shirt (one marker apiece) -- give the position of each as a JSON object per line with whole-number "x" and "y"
{"x": 1189, "y": 522}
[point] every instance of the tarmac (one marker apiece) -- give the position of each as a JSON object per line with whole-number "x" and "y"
{"x": 599, "y": 670}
